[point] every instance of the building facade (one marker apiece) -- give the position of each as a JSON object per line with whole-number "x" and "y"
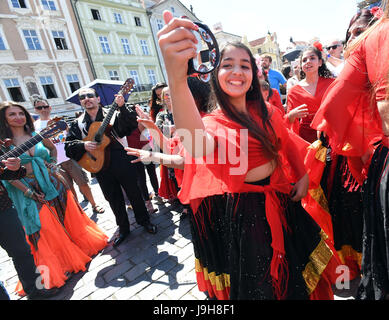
{"x": 267, "y": 45}
{"x": 41, "y": 53}
{"x": 223, "y": 37}
{"x": 120, "y": 44}
{"x": 155, "y": 9}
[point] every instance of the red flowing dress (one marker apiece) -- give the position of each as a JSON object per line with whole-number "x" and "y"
{"x": 350, "y": 118}
{"x": 220, "y": 175}
{"x": 275, "y": 100}
{"x": 297, "y": 96}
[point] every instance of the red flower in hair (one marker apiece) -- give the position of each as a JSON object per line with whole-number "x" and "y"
{"x": 318, "y": 46}
{"x": 377, "y": 12}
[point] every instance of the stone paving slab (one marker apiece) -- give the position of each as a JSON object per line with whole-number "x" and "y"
{"x": 143, "y": 267}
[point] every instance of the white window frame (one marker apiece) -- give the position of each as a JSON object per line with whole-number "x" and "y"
{"x": 159, "y": 23}
{"x": 26, "y": 2}
{"x": 126, "y": 46}
{"x": 106, "y": 44}
{"x": 52, "y": 82}
{"x": 152, "y": 76}
{"x": 72, "y": 76}
{"x": 113, "y": 74}
{"x": 140, "y": 21}
{"x": 38, "y": 37}
{"x": 48, "y": 2}
{"x": 64, "y": 37}
{"x": 144, "y": 45}
{"x": 118, "y": 18}
{"x": 99, "y": 12}
{"x": 2, "y": 35}
{"x": 134, "y": 74}
{"x": 12, "y": 77}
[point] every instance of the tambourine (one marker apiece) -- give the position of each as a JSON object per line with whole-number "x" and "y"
{"x": 208, "y": 54}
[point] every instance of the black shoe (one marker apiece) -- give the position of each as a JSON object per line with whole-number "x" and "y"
{"x": 120, "y": 238}
{"x": 151, "y": 228}
{"x": 42, "y": 294}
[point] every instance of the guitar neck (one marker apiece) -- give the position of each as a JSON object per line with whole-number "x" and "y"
{"x": 106, "y": 121}
{"x": 126, "y": 88}
{"x": 19, "y": 150}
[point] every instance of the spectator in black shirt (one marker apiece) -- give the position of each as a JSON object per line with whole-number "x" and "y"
{"x": 119, "y": 173}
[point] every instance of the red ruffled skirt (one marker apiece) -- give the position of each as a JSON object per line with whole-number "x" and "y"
{"x": 168, "y": 187}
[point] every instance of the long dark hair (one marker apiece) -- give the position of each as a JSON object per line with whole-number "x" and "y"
{"x": 323, "y": 70}
{"x": 201, "y": 92}
{"x": 156, "y": 104}
{"x": 5, "y": 130}
{"x": 365, "y": 17}
{"x": 265, "y": 135}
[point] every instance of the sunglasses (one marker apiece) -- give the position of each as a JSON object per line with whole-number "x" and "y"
{"x": 42, "y": 107}
{"x": 333, "y": 47}
{"x": 84, "y": 96}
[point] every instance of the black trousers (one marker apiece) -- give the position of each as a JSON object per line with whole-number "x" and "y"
{"x": 13, "y": 241}
{"x": 122, "y": 173}
{"x": 142, "y": 183}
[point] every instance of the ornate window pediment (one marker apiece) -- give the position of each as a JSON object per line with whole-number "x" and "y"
{"x": 8, "y": 71}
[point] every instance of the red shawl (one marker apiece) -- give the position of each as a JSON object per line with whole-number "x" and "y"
{"x": 220, "y": 173}
{"x": 348, "y": 113}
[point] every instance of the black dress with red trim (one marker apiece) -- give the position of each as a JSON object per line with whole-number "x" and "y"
{"x": 307, "y": 253}
{"x": 283, "y": 263}
{"x": 210, "y": 238}
{"x": 375, "y": 251}
{"x": 344, "y": 196}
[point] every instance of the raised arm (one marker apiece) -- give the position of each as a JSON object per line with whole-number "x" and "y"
{"x": 178, "y": 46}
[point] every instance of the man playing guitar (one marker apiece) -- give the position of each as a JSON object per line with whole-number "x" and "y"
{"x": 118, "y": 173}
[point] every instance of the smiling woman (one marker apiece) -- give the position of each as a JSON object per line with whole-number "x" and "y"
{"x": 243, "y": 212}
{"x": 61, "y": 236}
{"x": 303, "y": 99}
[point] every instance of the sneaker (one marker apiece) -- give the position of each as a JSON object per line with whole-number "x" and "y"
{"x": 149, "y": 207}
{"x": 158, "y": 199}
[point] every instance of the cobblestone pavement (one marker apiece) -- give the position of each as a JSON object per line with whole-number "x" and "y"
{"x": 143, "y": 267}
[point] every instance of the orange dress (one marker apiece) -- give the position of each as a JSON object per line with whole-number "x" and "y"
{"x": 61, "y": 236}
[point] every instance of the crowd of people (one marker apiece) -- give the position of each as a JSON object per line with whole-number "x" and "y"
{"x": 279, "y": 194}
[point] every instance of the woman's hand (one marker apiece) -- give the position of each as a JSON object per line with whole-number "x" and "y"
{"x": 12, "y": 164}
{"x": 300, "y": 189}
{"x": 299, "y": 112}
{"x": 38, "y": 196}
{"x": 144, "y": 119}
{"x": 142, "y": 155}
{"x": 178, "y": 45}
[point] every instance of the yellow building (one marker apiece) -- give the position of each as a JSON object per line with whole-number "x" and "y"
{"x": 266, "y": 45}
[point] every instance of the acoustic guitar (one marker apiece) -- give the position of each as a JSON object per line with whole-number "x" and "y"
{"x": 99, "y": 132}
{"x": 53, "y": 129}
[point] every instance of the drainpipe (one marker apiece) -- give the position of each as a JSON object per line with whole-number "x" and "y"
{"x": 76, "y": 14}
{"x": 149, "y": 14}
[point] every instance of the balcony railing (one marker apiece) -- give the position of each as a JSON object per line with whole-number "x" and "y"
{"x": 143, "y": 87}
